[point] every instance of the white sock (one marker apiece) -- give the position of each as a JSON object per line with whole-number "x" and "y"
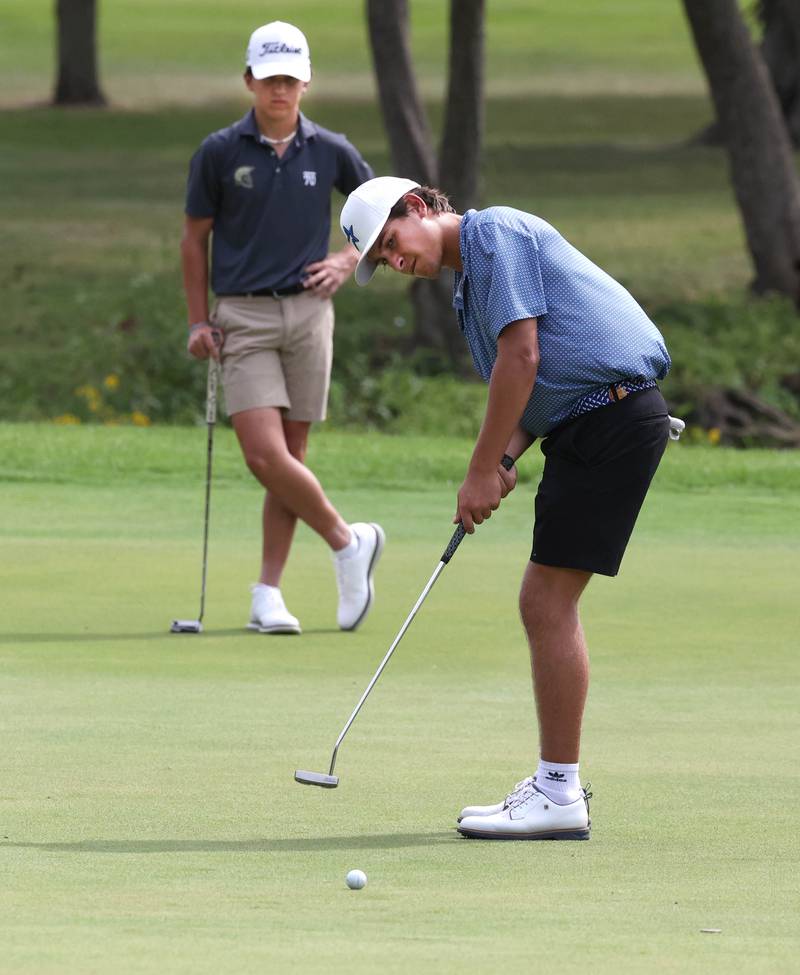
{"x": 263, "y": 585}
{"x": 561, "y": 783}
{"x": 350, "y": 549}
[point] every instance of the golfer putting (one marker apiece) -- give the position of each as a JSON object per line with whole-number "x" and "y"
{"x": 570, "y": 358}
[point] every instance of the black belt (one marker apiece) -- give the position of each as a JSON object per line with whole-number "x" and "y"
{"x": 293, "y": 289}
{"x": 619, "y": 391}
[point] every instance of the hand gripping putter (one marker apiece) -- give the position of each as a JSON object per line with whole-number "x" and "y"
{"x": 329, "y": 780}
{"x": 196, "y": 626}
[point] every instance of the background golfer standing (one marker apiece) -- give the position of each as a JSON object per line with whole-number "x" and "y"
{"x": 569, "y": 357}
{"x": 262, "y": 187}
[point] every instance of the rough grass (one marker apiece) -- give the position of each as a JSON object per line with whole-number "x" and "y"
{"x": 94, "y": 455}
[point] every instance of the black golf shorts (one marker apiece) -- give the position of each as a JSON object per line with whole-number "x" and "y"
{"x": 597, "y": 470}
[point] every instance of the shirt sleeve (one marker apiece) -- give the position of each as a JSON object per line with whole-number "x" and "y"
{"x": 203, "y": 188}
{"x": 352, "y": 170}
{"x": 511, "y": 260}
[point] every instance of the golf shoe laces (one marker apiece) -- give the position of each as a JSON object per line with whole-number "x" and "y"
{"x": 523, "y": 791}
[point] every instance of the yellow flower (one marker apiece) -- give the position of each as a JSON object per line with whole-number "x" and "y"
{"x": 91, "y": 395}
{"x": 714, "y": 435}
{"x": 111, "y": 382}
{"x": 140, "y": 419}
{"x": 66, "y": 420}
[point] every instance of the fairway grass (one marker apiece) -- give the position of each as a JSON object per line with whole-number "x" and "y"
{"x": 149, "y": 821}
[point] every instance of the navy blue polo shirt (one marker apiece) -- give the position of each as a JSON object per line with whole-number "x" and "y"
{"x": 272, "y": 216}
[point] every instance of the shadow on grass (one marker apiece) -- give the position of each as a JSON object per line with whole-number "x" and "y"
{"x": 376, "y": 841}
{"x": 9, "y": 638}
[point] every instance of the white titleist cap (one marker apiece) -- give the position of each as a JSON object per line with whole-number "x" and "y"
{"x": 279, "y": 48}
{"x": 365, "y": 212}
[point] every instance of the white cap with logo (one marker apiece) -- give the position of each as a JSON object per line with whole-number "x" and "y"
{"x": 365, "y": 212}
{"x": 279, "y": 48}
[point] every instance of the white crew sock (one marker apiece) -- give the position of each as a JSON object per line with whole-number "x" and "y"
{"x": 561, "y": 783}
{"x": 350, "y": 549}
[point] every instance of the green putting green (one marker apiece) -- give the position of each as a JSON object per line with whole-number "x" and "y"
{"x": 150, "y": 822}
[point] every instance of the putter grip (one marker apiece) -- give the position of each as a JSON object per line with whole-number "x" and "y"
{"x": 459, "y": 533}
{"x": 211, "y": 391}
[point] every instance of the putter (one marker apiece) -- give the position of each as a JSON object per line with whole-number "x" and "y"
{"x": 196, "y": 626}
{"x": 329, "y": 780}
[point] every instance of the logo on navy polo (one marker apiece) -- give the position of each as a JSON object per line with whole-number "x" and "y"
{"x": 279, "y": 47}
{"x": 309, "y": 177}
{"x": 244, "y": 177}
{"x": 350, "y": 235}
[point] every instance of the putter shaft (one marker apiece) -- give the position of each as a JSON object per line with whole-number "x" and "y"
{"x": 330, "y": 780}
{"x": 385, "y": 660}
{"x": 211, "y": 419}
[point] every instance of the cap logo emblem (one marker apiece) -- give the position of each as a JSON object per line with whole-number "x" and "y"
{"x": 278, "y": 47}
{"x": 350, "y": 235}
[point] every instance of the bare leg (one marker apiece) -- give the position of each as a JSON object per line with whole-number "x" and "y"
{"x": 278, "y": 521}
{"x": 559, "y": 660}
{"x": 263, "y": 440}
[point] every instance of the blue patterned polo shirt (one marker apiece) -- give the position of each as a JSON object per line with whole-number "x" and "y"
{"x": 592, "y": 333}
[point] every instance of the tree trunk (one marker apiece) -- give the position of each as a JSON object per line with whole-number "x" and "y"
{"x": 77, "y": 82}
{"x": 403, "y": 113}
{"x": 460, "y": 156}
{"x": 780, "y": 49}
{"x": 411, "y": 144}
{"x": 761, "y": 163}
{"x": 745, "y": 420}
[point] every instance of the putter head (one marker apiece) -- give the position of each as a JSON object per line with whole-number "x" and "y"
{"x": 186, "y": 626}
{"x": 316, "y": 778}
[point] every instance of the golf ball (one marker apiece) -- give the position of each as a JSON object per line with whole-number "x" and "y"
{"x": 356, "y": 879}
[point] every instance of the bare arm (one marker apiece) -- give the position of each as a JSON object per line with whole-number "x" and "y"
{"x": 519, "y": 443}
{"x": 510, "y": 387}
{"x": 194, "y": 260}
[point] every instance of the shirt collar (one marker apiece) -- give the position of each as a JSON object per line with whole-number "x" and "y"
{"x": 247, "y": 126}
{"x": 463, "y": 241}
{"x": 306, "y": 129}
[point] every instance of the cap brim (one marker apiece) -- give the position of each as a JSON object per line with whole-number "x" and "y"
{"x": 364, "y": 271}
{"x": 365, "y": 267}
{"x": 290, "y": 69}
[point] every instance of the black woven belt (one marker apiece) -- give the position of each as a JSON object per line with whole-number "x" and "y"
{"x": 294, "y": 289}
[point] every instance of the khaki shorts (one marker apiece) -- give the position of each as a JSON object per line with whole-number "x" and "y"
{"x": 276, "y": 352}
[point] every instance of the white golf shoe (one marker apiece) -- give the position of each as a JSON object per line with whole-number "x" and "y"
{"x": 268, "y": 613}
{"x": 531, "y": 815}
{"x": 354, "y": 574}
{"x": 498, "y": 806}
